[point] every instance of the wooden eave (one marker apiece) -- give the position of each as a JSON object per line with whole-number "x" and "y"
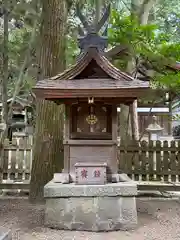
{"x": 68, "y": 85}
{"x": 102, "y": 100}
{"x": 48, "y": 93}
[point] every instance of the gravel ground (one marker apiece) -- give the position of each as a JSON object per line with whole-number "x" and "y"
{"x": 157, "y": 219}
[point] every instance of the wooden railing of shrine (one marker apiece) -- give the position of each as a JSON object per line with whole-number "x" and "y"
{"x": 155, "y": 165}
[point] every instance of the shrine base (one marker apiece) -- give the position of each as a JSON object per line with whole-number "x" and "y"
{"x": 91, "y": 207}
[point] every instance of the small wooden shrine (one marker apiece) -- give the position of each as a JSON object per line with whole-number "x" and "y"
{"x": 91, "y": 91}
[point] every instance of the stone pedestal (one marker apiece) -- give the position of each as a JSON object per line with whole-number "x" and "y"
{"x": 91, "y": 207}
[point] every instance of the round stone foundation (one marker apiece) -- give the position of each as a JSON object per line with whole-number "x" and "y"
{"x": 91, "y": 207}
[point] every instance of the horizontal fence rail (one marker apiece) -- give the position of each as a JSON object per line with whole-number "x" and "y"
{"x": 156, "y": 162}
{"x": 150, "y": 161}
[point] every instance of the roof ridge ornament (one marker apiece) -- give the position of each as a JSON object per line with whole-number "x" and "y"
{"x": 92, "y": 38}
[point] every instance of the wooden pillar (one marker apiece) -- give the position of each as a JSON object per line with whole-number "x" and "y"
{"x": 114, "y": 123}
{"x": 66, "y": 138}
{"x": 134, "y": 120}
{"x": 114, "y": 165}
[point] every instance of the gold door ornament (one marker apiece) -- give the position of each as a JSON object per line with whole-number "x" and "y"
{"x": 91, "y": 119}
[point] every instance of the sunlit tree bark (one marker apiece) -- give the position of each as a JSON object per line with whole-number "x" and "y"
{"x": 47, "y": 152}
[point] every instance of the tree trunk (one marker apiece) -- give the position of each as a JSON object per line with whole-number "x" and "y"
{"x": 48, "y": 141}
{"x": 4, "y": 81}
{"x": 134, "y": 120}
{"x": 5, "y": 68}
{"x": 125, "y": 123}
{"x": 98, "y": 6}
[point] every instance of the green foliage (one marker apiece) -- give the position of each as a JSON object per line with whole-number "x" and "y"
{"x": 71, "y": 38}
{"x": 150, "y": 45}
{"x": 169, "y": 80}
{"x": 125, "y": 30}
{"x": 176, "y": 117}
{"x": 72, "y": 50}
{"x": 155, "y": 43}
{"x": 22, "y": 15}
{"x": 166, "y": 15}
{"x": 171, "y": 51}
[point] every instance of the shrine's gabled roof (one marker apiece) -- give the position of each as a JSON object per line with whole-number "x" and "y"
{"x": 78, "y": 81}
{"x": 93, "y": 75}
{"x": 93, "y": 54}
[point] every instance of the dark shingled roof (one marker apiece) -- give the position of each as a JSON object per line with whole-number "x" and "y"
{"x": 71, "y": 81}
{"x": 101, "y": 60}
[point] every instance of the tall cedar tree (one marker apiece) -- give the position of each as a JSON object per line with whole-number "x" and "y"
{"x": 48, "y": 140}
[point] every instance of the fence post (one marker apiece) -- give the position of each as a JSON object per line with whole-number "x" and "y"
{"x": 136, "y": 160}
{"x": 144, "y": 161}
{"x": 1, "y": 164}
{"x": 173, "y": 161}
{"x": 151, "y": 160}
{"x": 158, "y": 161}
{"x": 166, "y": 156}
{"x": 178, "y": 160}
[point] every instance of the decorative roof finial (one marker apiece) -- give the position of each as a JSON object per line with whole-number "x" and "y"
{"x": 92, "y": 38}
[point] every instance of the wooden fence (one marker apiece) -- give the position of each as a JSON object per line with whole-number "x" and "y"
{"x": 144, "y": 162}
{"x": 16, "y": 164}
{"x": 151, "y": 161}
